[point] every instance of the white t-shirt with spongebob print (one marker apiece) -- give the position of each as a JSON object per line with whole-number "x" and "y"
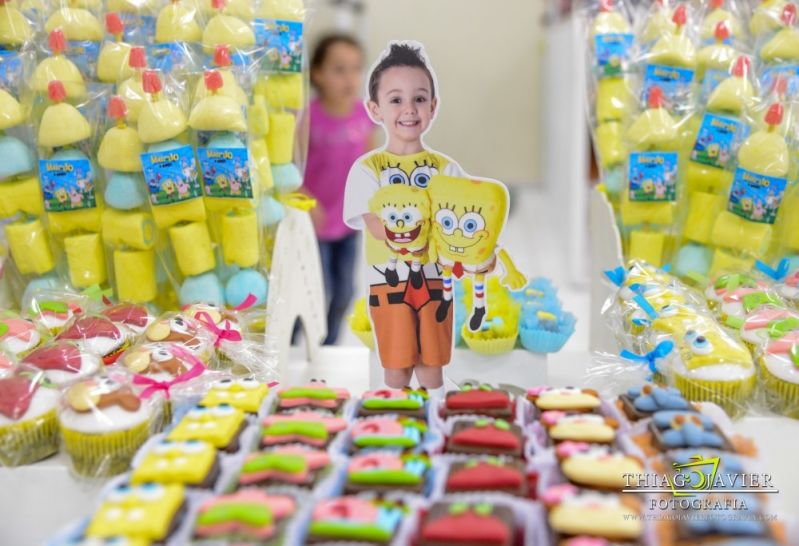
{"x": 379, "y": 169}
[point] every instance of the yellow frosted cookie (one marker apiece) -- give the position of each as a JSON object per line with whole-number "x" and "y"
{"x": 573, "y": 512}
{"x": 579, "y": 427}
{"x": 176, "y": 23}
{"x": 596, "y": 466}
{"x": 77, "y": 24}
{"x": 566, "y": 399}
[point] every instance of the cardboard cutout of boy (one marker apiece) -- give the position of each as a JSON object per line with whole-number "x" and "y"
{"x": 410, "y": 262}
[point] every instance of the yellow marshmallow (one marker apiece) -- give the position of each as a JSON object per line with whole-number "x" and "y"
{"x": 733, "y": 231}
{"x": 113, "y": 62}
{"x": 58, "y": 67}
{"x": 176, "y": 23}
{"x": 648, "y": 246}
{"x": 85, "y": 259}
{"x": 29, "y": 247}
{"x": 217, "y": 113}
{"x": 15, "y": 29}
{"x": 77, "y": 24}
{"x": 192, "y": 246}
{"x": 23, "y": 195}
{"x": 724, "y": 262}
{"x": 192, "y": 210}
{"x": 240, "y": 244}
{"x": 62, "y": 124}
{"x": 10, "y": 111}
{"x": 160, "y": 120}
{"x": 120, "y": 150}
{"x": 133, "y": 94}
{"x": 227, "y": 30}
{"x": 68, "y": 221}
{"x": 280, "y": 138}
{"x": 701, "y": 215}
{"x": 134, "y": 271}
{"x": 133, "y": 229}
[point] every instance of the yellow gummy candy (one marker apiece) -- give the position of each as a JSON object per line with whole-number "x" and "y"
{"x": 24, "y": 195}
{"x": 647, "y": 245}
{"x": 85, "y": 259}
{"x": 240, "y": 241}
{"x": 134, "y": 271}
{"x": 29, "y": 247}
{"x": 192, "y": 246}
{"x": 133, "y": 229}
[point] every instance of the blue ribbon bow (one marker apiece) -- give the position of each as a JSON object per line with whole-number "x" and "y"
{"x": 616, "y": 276}
{"x": 661, "y": 351}
{"x": 777, "y": 274}
{"x": 642, "y": 302}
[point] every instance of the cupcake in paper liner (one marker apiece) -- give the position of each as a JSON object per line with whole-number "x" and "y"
{"x": 546, "y": 332}
{"x": 360, "y": 324}
{"x": 765, "y": 324}
{"x": 28, "y": 425}
{"x": 741, "y": 302}
{"x": 779, "y": 369}
{"x": 98, "y": 335}
{"x": 789, "y": 288}
{"x": 223, "y": 325}
{"x": 63, "y": 362}
{"x": 186, "y": 331}
{"x": 496, "y": 336}
{"x": 130, "y": 316}
{"x": 712, "y": 367}
{"x": 729, "y": 282}
{"x": 18, "y": 336}
{"x": 103, "y": 422}
{"x": 51, "y": 311}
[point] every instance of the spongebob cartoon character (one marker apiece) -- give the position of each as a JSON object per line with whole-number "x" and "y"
{"x": 405, "y": 213}
{"x": 708, "y": 345}
{"x": 648, "y": 186}
{"x": 168, "y": 187}
{"x": 746, "y": 204}
{"x": 468, "y": 217}
{"x": 62, "y": 196}
{"x": 222, "y": 182}
{"x": 713, "y": 150}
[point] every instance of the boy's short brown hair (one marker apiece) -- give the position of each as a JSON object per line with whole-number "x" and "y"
{"x": 399, "y": 55}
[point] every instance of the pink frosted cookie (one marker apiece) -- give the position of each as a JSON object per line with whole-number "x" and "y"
{"x": 388, "y": 432}
{"x": 293, "y": 465}
{"x": 135, "y": 318}
{"x": 768, "y": 323}
{"x": 346, "y": 519}
{"x": 248, "y": 514}
{"x": 315, "y": 395}
{"x": 97, "y": 334}
{"x": 63, "y": 361}
{"x": 306, "y": 427}
{"x": 54, "y": 315}
{"x": 18, "y": 336}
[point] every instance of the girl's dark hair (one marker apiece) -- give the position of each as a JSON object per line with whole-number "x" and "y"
{"x": 323, "y": 48}
{"x": 399, "y": 55}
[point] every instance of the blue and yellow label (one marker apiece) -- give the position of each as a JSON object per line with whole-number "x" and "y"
{"x": 717, "y": 140}
{"x": 283, "y": 42}
{"x": 226, "y": 172}
{"x": 10, "y": 69}
{"x": 713, "y": 77}
{"x": 788, "y": 72}
{"x": 756, "y": 197}
{"x": 613, "y": 52}
{"x": 168, "y": 56}
{"x": 653, "y": 176}
{"x": 138, "y": 28}
{"x": 171, "y": 175}
{"x": 674, "y": 82}
{"x": 67, "y": 184}
{"x": 84, "y": 54}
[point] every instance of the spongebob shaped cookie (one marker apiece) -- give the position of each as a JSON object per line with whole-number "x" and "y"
{"x": 405, "y": 214}
{"x": 468, "y": 217}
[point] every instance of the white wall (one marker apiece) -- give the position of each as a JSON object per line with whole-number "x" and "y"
{"x": 487, "y": 56}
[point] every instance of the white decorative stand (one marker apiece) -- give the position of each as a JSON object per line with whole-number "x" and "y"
{"x": 296, "y": 288}
{"x": 518, "y": 367}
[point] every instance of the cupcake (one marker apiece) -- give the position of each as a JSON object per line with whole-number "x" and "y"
{"x": 18, "y": 336}
{"x": 355, "y": 519}
{"x": 741, "y": 302}
{"x": 759, "y": 327}
{"x": 63, "y": 361}
{"x": 103, "y": 423}
{"x": 779, "y": 368}
{"x": 222, "y": 325}
{"x": 294, "y": 465}
{"x": 718, "y": 288}
{"x": 710, "y": 366}
{"x": 496, "y": 336}
{"x": 28, "y": 425}
{"x": 382, "y": 472}
{"x": 546, "y": 331}
{"x": 191, "y": 463}
{"x": 98, "y": 335}
{"x": 189, "y": 333}
{"x": 789, "y": 289}
{"x": 246, "y": 516}
{"x": 135, "y": 318}
{"x": 149, "y": 512}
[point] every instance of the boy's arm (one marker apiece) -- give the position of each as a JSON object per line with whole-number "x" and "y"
{"x": 361, "y": 186}
{"x": 375, "y": 226}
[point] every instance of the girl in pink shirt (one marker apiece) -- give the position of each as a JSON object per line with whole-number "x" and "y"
{"x": 340, "y": 132}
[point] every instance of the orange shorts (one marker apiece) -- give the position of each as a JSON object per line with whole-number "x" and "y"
{"x": 407, "y": 337}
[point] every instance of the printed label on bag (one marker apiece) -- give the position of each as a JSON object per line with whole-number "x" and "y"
{"x": 226, "y": 172}
{"x": 167, "y": 57}
{"x": 717, "y": 140}
{"x": 653, "y": 176}
{"x": 788, "y": 72}
{"x": 612, "y": 52}
{"x": 283, "y": 43}
{"x": 137, "y": 27}
{"x": 171, "y": 175}
{"x": 713, "y": 77}
{"x": 756, "y": 197}
{"x": 674, "y": 82}
{"x": 10, "y": 69}
{"x": 67, "y": 184}
{"x": 84, "y": 54}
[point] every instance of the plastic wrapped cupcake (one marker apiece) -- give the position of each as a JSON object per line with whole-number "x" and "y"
{"x": 103, "y": 423}
{"x": 765, "y": 324}
{"x": 28, "y": 425}
{"x": 97, "y": 334}
{"x": 135, "y": 318}
{"x": 18, "y": 336}
{"x": 63, "y": 362}
{"x": 188, "y": 332}
{"x": 779, "y": 367}
{"x": 728, "y": 282}
{"x": 789, "y": 289}
{"x": 51, "y": 312}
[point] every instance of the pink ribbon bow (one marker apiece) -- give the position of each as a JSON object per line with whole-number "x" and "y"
{"x": 227, "y": 333}
{"x": 153, "y": 385}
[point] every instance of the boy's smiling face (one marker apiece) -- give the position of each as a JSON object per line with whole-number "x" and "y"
{"x": 405, "y": 105}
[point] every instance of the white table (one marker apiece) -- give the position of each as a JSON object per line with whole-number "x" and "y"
{"x": 38, "y": 500}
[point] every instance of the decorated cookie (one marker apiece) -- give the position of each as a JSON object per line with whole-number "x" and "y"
{"x": 641, "y": 402}
{"x": 486, "y": 436}
{"x": 561, "y": 426}
{"x": 478, "y": 400}
{"x": 134, "y": 317}
{"x": 448, "y": 524}
{"x": 28, "y": 426}
{"x": 489, "y": 474}
{"x": 407, "y": 402}
{"x": 388, "y": 432}
{"x": 149, "y": 511}
{"x": 161, "y": 361}
{"x": 244, "y": 516}
{"x": 286, "y": 465}
{"x": 749, "y": 526}
{"x": 63, "y": 361}
{"x": 52, "y": 315}
{"x": 789, "y": 289}
{"x": 313, "y": 395}
{"x": 191, "y": 463}
{"x": 383, "y": 472}
{"x": 743, "y": 301}
{"x": 355, "y": 519}
{"x": 18, "y": 336}
{"x": 103, "y": 423}
{"x": 761, "y": 326}
{"x": 244, "y": 393}
{"x": 596, "y": 466}
{"x": 730, "y": 282}
{"x": 180, "y": 329}
{"x": 221, "y": 426}
{"x": 567, "y": 399}
{"x": 313, "y": 428}
{"x": 572, "y": 512}
{"x": 679, "y": 429}
{"x": 97, "y": 334}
